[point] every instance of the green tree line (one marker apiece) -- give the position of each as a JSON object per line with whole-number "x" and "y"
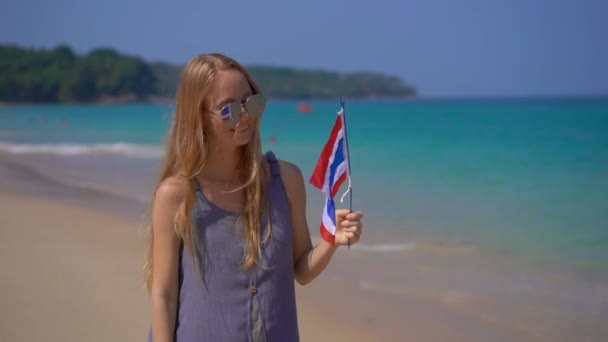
{"x": 60, "y": 75}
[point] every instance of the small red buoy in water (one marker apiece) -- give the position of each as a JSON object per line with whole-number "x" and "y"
{"x": 304, "y": 108}
{"x": 273, "y": 139}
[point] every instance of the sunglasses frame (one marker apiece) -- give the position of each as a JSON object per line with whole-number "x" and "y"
{"x": 230, "y": 113}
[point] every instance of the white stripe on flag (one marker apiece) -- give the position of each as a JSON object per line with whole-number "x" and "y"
{"x": 339, "y": 170}
{"x": 328, "y": 221}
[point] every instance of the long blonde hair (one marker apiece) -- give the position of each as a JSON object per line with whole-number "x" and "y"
{"x": 186, "y": 155}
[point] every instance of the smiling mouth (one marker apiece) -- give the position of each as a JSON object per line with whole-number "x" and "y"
{"x": 241, "y": 129}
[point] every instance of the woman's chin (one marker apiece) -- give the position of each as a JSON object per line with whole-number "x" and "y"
{"x": 242, "y": 137}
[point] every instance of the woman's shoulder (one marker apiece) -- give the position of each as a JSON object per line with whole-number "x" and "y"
{"x": 292, "y": 178}
{"x": 172, "y": 190}
{"x": 288, "y": 168}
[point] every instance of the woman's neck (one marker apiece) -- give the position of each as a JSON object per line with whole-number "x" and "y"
{"x": 222, "y": 166}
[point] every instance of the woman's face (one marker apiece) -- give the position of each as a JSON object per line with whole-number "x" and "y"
{"x": 233, "y": 111}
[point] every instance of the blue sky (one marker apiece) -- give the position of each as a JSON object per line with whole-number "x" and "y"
{"x": 445, "y": 48}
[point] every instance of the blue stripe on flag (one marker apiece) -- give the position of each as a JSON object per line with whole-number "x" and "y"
{"x": 338, "y": 159}
{"x": 331, "y": 210}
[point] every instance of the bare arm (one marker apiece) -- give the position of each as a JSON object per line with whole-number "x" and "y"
{"x": 310, "y": 261}
{"x": 164, "y": 291}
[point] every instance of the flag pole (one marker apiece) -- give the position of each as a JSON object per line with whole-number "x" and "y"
{"x": 350, "y": 189}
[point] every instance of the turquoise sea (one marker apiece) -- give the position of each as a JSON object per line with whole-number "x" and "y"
{"x": 515, "y": 177}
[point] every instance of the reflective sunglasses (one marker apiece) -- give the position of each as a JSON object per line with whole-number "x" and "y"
{"x": 254, "y": 105}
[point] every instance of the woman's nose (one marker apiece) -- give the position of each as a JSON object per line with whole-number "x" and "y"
{"x": 244, "y": 114}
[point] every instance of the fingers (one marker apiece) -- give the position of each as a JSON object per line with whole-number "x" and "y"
{"x": 352, "y": 233}
{"x": 355, "y": 215}
{"x": 352, "y": 229}
{"x": 349, "y": 215}
{"x": 352, "y": 237}
{"x": 348, "y": 224}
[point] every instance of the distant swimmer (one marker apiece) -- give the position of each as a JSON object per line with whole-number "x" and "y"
{"x": 304, "y": 108}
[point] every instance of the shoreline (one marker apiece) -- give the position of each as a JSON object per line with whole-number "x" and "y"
{"x": 50, "y": 175}
{"x": 25, "y": 180}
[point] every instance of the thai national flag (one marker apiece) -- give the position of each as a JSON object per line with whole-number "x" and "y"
{"x": 330, "y": 173}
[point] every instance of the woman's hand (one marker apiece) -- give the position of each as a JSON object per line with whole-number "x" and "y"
{"x": 348, "y": 227}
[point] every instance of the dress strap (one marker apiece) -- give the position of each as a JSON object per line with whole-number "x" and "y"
{"x": 274, "y": 164}
{"x": 197, "y": 185}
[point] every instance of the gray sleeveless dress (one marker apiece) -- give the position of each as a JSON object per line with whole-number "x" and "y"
{"x": 228, "y": 304}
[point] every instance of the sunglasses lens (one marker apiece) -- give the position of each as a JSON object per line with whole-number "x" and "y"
{"x": 256, "y": 104}
{"x": 231, "y": 113}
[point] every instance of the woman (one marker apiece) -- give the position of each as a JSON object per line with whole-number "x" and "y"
{"x": 229, "y": 232}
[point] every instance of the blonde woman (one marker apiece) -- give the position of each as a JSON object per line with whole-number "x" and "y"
{"x": 229, "y": 234}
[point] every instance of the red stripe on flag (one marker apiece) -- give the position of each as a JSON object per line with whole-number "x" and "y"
{"x": 318, "y": 175}
{"x": 326, "y": 235}
{"x": 338, "y": 184}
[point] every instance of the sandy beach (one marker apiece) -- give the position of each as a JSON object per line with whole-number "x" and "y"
{"x": 73, "y": 274}
{"x": 71, "y": 271}
{"x": 69, "y": 274}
